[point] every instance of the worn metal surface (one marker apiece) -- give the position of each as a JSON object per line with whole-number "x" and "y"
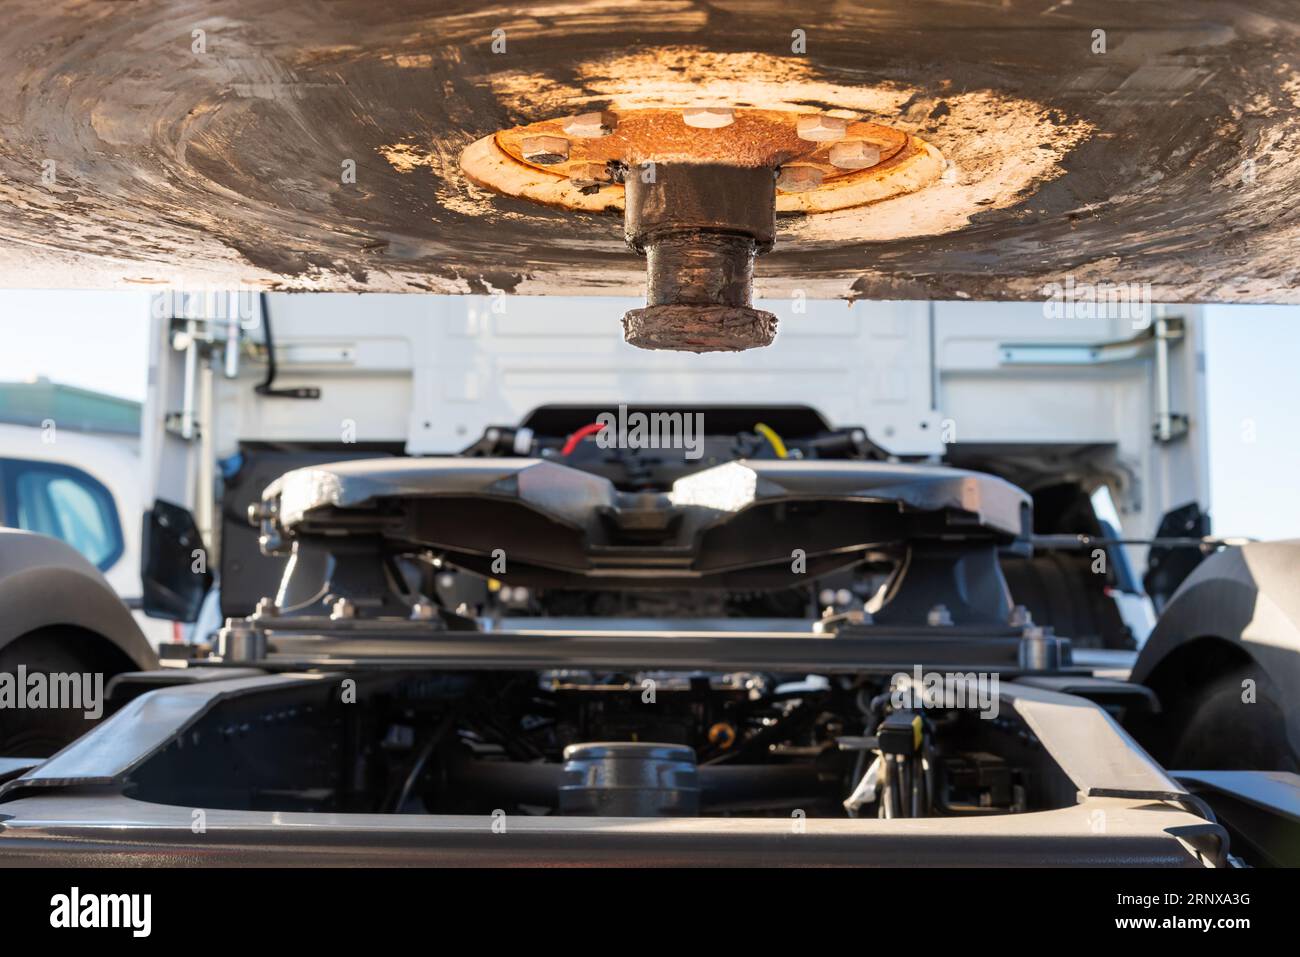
{"x": 700, "y": 226}
{"x": 86, "y": 830}
{"x": 694, "y": 328}
{"x": 888, "y": 162}
{"x": 130, "y": 156}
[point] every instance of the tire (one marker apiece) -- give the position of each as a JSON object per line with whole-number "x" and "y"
{"x": 40, "y": 733}
{"x": 1060, "y": 590}
{"x": 1221, "y": 732}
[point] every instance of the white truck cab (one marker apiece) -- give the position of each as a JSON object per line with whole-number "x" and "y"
{"x": 1111, "y": 408}
{"x": 84, "y": 490}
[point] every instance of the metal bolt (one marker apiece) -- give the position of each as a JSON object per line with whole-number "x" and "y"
{"x": 798, "y": 179}
{"x": 822, "y": 128}
{"x": 238, "y": 642}
{"x": 265, "y": 608}
{"x": 590, "y": 126}
{"x": 259, "y": 512}
{"x": 939, "y": 617}
{"x": 343, "y": 608}
{"x": 854, "y": 154}
{"x": 1020, "y": 617}
{"x": 1041, "y": 650}
{"x": 588, "y": 175}
{"x": 708, "y": 117}
{"x": 423, "y": 611}
{"x": 547, "y": 150}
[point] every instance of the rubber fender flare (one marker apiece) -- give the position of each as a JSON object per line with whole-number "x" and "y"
{"x": 1244, "y": 600}
{"x": 45, "y": 582}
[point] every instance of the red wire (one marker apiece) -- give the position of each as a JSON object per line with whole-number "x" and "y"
{"x": 572, "y": 442}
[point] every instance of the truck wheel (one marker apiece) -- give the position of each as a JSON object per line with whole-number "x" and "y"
{"x": 1222, "y": 732}
{"x": 27, "y": 733}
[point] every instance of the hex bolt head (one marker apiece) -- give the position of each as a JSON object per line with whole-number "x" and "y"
{"x": 590, "y": 126}
{"x": 822, "y": 128}
{"x": 708, "y": 117}
{"x": 546, "y": 150}
{"x": 854, "y": 154}
{"x": 590, "y": 175}
{"x": 343, "y": 608}
{"x": 798, "y": 179}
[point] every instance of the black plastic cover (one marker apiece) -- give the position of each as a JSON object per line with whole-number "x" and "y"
{"x": 174, "y": 569}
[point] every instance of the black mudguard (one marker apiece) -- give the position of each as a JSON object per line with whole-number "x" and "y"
{"x": 45, "y": 582}
{"x": 1246, "y": 598}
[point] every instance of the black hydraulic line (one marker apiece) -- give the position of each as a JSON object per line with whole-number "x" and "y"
{"x": 1068, "y": 542}
{"x": 1197, "y": 805}
{"x": 267, "y": 386}
{"x": 797, "y": 720}
{"x": 421, "y": 759}
{"x": 914, "y": 772}
{"x": 893, "y": 784}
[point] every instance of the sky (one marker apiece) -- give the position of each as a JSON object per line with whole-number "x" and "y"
{"x": 95, "y": 340}
{"x": 1252, "y": 364}
{"x": 98, "y": 340}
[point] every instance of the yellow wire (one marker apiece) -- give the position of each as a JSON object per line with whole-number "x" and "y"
{"x": 767, "y": 432}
